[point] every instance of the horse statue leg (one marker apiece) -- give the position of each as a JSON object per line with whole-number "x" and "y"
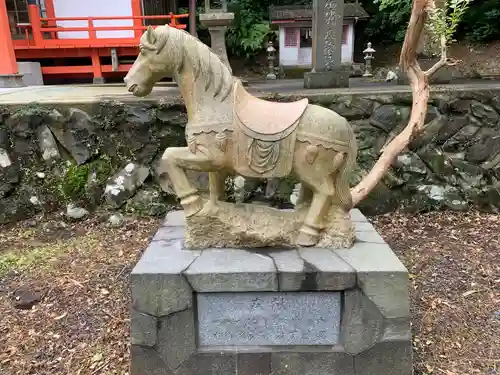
{"x": 217, "y": 187}
{"x": 313, "y": 222}
{"x": 174, "y": 161}
{"x": 304, "y": 197}
{"x": 320, "y": 183}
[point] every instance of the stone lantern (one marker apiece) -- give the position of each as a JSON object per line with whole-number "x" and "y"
{"x": 369, "y": 51}
{"x": 271, "y": 51}
{"x": 217, "y": 19}
{"x": 214, "y": 6}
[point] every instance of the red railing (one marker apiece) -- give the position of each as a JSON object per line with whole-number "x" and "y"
{"x": 44, "y": 42}
{"x": 38, "y": 26}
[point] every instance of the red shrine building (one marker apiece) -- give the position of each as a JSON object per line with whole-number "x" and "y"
{"x": 98, "y": 39}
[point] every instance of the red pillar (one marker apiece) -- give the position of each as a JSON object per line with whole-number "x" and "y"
{"x": 137, "y": 12}
{"x": 96, "y": 67}
{"x": 8, "y": 63}
{"x": 51, "y": 13}
{"x": 49, "y": 9}
{"x": 36, "y": 23}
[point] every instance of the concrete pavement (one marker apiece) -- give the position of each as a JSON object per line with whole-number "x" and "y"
{"x": 65, "y": 94}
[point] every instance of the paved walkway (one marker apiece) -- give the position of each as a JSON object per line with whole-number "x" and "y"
{"x": 75, "y": 94}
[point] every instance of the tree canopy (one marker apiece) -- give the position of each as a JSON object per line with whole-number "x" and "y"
{"x": 390, "y": 18}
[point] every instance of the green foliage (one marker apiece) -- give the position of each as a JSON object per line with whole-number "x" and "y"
{"x": 481, "y": 22}
{"x": 387, "y": 24}
{"x": 22, "y": 261}
{"x": 250, "y": 29}
{"x": 443, "y": 22}
{"x": 102, "y": 168}
{"x": 33, "y": 109}
{"x": 41, "y": 257}
{"x": 393, "y": 17}
{"x": 149, "y": 202}
{"x": 200, "y": 8}
{"x": 390, "y": 18}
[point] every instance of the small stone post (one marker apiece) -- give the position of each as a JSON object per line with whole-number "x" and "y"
{"x": 217, "y": 19}
{"x": 369, "y": 51}
{"x": 271, "y": 57}
{"x": 192, "y": 18}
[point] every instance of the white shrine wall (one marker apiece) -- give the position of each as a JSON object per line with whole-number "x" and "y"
{"x": 94, "y": 8}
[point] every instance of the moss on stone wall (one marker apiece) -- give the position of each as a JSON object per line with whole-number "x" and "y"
{"x": 74, "y": 182}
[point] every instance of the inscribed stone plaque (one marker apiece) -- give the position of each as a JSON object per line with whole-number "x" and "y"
{"x": 272, "y": 318}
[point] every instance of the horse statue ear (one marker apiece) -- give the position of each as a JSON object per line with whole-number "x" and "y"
{"x": 150, "y": 36}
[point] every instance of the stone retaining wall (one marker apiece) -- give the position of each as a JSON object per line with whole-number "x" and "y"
{"x": 104, "y": 156}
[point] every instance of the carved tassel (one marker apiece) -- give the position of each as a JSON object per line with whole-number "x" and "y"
{"x": 192, "y": 144}
{"x": 221, "y": 141}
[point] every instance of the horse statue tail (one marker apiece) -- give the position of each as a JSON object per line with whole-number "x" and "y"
{"x": 342, "y": 176}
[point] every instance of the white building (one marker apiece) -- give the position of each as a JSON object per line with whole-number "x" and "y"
{"x": 295, "y": 32}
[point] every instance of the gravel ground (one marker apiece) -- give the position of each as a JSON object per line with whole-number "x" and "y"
{"x": 64, "y": 295}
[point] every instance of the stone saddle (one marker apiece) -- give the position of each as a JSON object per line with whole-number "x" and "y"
{"x": 265, "y": 134}
{"x": 265, "y": 120}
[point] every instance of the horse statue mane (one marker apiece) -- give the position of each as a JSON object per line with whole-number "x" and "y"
{"x": 186, "y": 50}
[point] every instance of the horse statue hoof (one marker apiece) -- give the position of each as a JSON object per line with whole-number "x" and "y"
{"x": 209, "y": 209}
{"x": 307, "y": 238}
{"x": 192, "y": 205}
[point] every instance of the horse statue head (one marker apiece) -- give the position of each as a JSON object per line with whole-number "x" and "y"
{"x": 157, "y": 59}
{"x": 170, "y": 52}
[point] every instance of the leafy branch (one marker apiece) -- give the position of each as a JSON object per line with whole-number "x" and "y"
{"x": 442, "y": 24}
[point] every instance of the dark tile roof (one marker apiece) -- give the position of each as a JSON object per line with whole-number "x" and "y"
{"x": 304, "y": 12}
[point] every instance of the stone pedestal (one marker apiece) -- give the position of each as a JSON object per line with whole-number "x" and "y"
{"x": 11, "y": 80}
{"x": 98, "y": 81}
{"x": 306, "y": 311}
{"x": 31, "y": 72}
{"x": 217, "y": 24}
{"x": 338, "y": 77}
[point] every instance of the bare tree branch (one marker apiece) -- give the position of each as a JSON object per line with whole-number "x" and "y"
{"x": 419, "y": 84}
{"x": 442, "y": 61}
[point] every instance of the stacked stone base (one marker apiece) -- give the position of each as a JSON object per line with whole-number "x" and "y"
{"x": 11, "y": 80}
{"x": 339, "y": 77}
{"x": 306, "y": 311}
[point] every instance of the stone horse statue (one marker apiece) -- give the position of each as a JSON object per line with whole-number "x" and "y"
{"x": 229, "y": 130}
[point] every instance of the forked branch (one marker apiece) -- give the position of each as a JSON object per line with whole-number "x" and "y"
{"x": 419, "y": 83}
{"x": 444, "y": 60}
